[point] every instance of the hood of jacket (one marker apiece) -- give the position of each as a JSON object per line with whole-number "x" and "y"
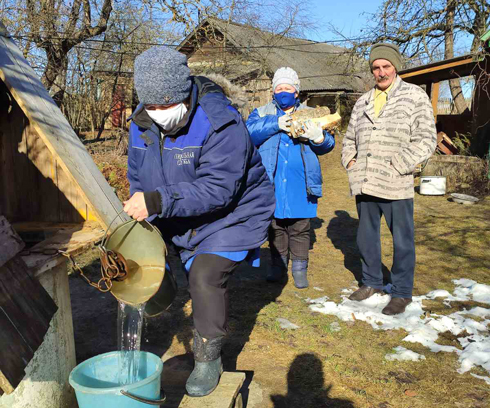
{"x": 219, "y": 87}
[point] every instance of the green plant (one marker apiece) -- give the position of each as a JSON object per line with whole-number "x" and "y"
{"x": 462, "y": 141}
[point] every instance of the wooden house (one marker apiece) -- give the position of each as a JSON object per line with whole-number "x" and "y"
{"x": 52, "y": 195}
{"x": 248, "y": 56}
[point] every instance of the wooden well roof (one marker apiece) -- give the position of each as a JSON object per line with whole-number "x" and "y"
{"x": 56, "y": 139}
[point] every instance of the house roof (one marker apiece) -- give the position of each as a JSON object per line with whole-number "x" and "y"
{"x": 457, "y": 67}
{"x": 320, "y": 66}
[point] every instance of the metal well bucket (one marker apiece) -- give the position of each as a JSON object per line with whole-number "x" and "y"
{"x": 148, "y": 279}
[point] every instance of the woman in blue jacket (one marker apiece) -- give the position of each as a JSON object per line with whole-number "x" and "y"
{"x": 194, "y": 172}
{"x": 293, "y": 167}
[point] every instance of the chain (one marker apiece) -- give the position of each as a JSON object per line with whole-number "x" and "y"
{"x": 113, "y": 266}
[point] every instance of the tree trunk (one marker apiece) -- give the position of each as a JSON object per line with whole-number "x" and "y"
{"x": 459, "y": 103}
{"x": 54, "y": 77}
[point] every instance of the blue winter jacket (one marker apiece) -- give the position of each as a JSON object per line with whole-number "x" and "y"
{"x": 266, "y": 135}
{"x": 215, "y": 193}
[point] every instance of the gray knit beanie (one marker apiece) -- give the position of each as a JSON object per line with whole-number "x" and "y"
{"x": 285, "y": 75}
{"x": 388, "y": 52}
{"x": 161, "y": 76}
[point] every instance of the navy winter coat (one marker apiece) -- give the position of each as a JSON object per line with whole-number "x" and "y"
{"x": 215, "y": 193}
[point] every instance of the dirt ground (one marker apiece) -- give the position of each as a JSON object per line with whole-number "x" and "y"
{"x": 315, "y": 366}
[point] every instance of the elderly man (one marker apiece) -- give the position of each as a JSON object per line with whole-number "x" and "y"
{"x": 391, "y": 130}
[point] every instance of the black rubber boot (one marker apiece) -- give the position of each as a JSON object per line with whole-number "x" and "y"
{"x": 207, "y": 366}
{"x": 300, "y": 269}
{"x": 278, "y": 270}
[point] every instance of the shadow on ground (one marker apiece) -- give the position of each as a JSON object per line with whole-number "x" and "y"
{"x": 316, "y": 223}
{"x": 306, "y": 383}
{"x": 342, "y": 231}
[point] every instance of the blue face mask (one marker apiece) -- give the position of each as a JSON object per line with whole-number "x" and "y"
{"x": 285, "y": 99}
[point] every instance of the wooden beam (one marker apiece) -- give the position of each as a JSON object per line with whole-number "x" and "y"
{"x": 437, "y": 68}
{"x": 45, "y": 256}
{"x": 435, "y": 98}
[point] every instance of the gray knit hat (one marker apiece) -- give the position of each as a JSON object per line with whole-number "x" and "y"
{"x": 161, "y": 76}
{"x": 285, "y": 75}
{"x": 388, "y": 52}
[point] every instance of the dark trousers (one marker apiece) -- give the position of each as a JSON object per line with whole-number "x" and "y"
{"x": 399, "y": 217}
{"x": 290, "y": 236}
{"x": 208, "y": 286}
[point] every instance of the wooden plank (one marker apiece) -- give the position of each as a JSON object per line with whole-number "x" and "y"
{"x": 26, "y": 310}
{"x": 222, "y": 397}
{"x": 72, "y": 242}
{"x": 57, "y": 134}
{"x": 437, "y": 68}
{"x": 47, "y": 227}
{"x": 10, "y": 242}
{"x": 43, "y": 189}
{"x": 25, "y": 302}
{"x": 13, "y": 350}
{"x": 72, "y": 206}
{"x": 12, "y": 172}
{"x": 435, "y": 98}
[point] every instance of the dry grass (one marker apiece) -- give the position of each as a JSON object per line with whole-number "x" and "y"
{"x": 316, "y": 366}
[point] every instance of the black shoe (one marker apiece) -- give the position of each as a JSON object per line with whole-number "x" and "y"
{"x": 207, "y": 369}
{"x": 278, "y": 271}
{"x": 277, "y": 274}
{"x": 396, "y": 306}
{"x": 364, "y": 292}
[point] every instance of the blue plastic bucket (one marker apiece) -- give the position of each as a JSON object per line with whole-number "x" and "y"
{"x": 96, "y": 382}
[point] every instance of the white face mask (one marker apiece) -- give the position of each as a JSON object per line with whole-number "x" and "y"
{"x": 168, "y": 118}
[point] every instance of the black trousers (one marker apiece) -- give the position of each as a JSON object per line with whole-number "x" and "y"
{"x": 290, "y": 236}
{"x": 399, "y": 217}
{"x": 208, "y": 286}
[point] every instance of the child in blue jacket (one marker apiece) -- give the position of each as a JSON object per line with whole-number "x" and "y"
{"x": 294, "y": 169}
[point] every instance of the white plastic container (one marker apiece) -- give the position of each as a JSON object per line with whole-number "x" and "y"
{"x": 433, "y": 185}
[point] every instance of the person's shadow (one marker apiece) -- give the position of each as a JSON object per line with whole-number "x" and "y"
{"x": 315, "y": 223}
{"x": 306, "y": 386}
{"x": 342, "y": 231}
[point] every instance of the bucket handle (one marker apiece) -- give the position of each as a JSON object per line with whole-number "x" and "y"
{"x": 160, "y": 401}
{"x": 102, "y": 244}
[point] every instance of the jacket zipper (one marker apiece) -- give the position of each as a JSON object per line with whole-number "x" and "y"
{"x": 162, "y": 145}
{"x": 304, "y": 166}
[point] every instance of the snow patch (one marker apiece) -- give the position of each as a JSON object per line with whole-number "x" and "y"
{"x": 286, "y": 324}
{"x": 422, "y": 328}
{"x": 403, "y": 354}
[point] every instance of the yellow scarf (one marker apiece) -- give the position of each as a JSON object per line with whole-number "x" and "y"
{"x": 380, "y": 99}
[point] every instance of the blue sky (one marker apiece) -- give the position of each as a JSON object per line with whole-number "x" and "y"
{"x": 347, "y": 16}
{"x": 344, "y": 14}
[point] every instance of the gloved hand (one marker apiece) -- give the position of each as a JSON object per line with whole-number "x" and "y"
{"x": 313, "y": 132}
{"x": 284, "y": 123}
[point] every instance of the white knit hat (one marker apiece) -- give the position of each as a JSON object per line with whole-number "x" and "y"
{"x": 285, "y": 75}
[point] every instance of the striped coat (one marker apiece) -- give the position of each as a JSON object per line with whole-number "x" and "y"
{"x": 389, "y": 147}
